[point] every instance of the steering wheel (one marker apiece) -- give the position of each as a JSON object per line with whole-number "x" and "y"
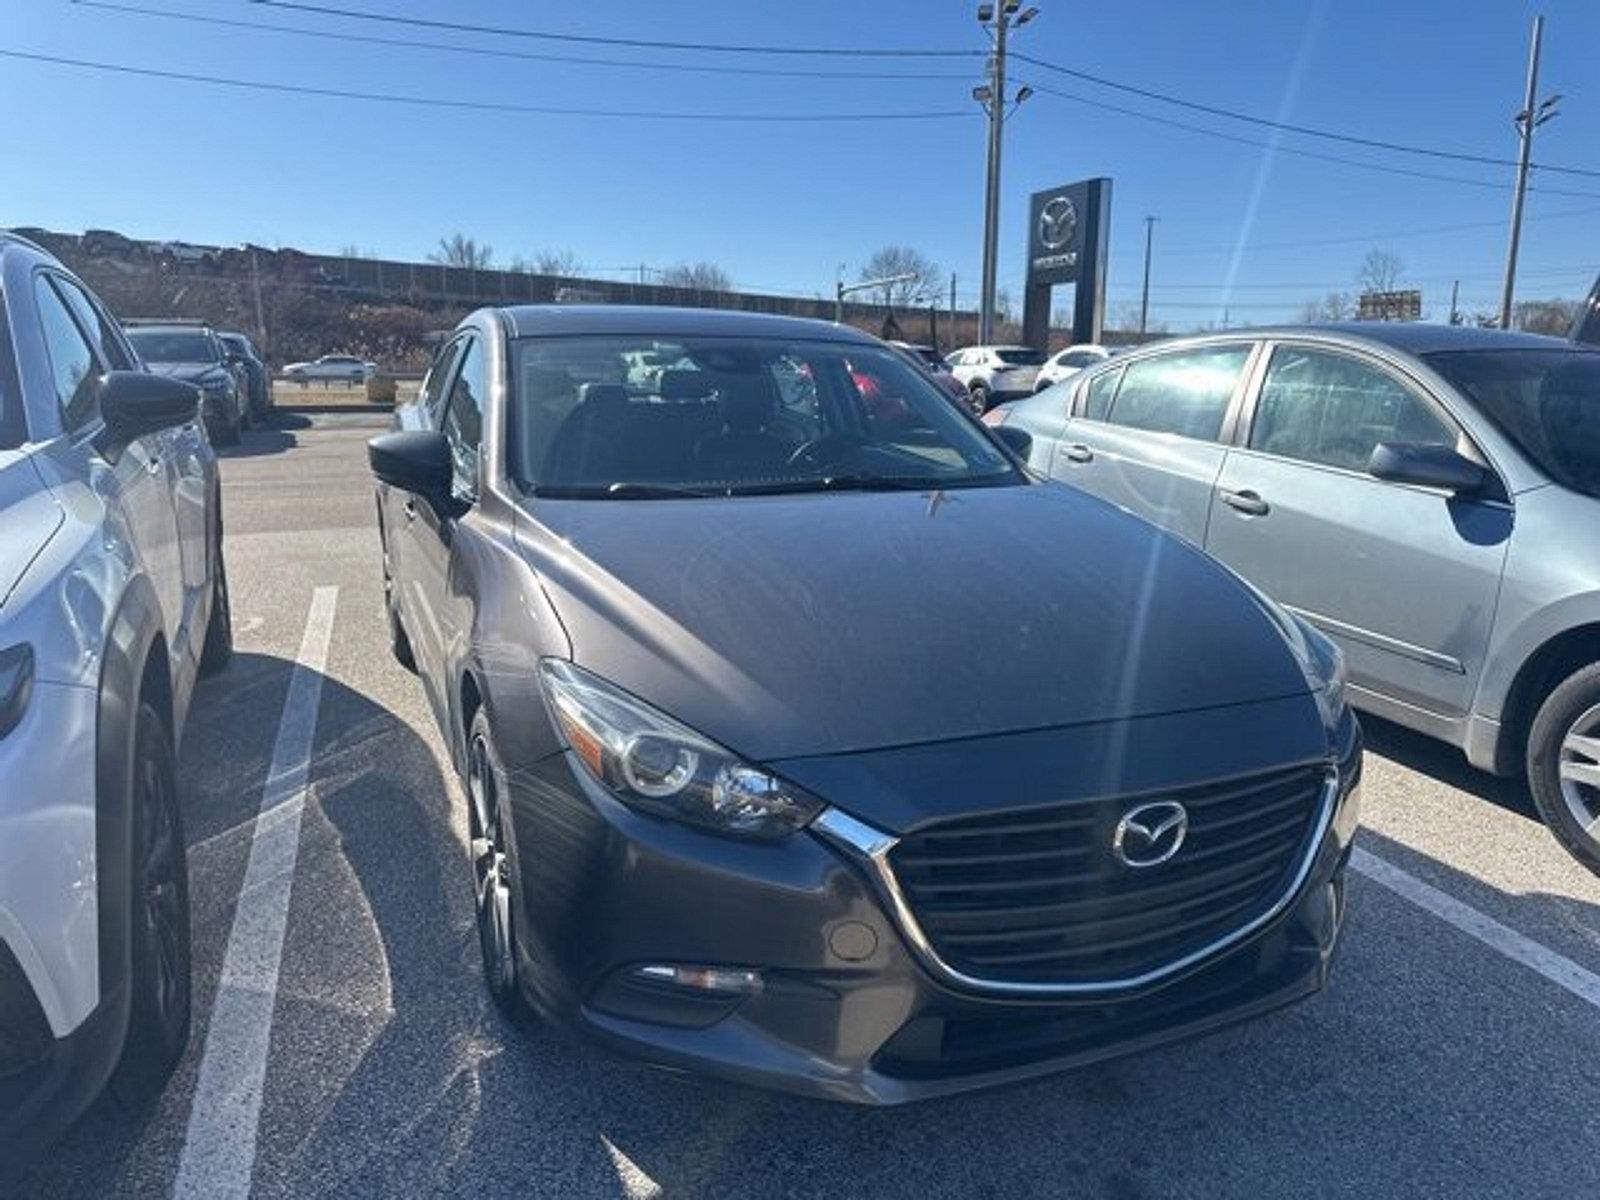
{"x": 824, "y": 451}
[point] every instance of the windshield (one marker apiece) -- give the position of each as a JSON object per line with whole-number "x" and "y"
{"x": 173, "y": 345}
{"x": 1020, "y": 356}
{"x": 607, "y": 416}
{"x": 1547, "y": 401}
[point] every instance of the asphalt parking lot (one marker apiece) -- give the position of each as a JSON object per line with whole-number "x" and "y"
{"x": 1453, "y": 1055}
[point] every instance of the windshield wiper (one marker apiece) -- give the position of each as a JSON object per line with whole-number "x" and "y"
{"x": 839, "y": 483}
{"x": 621, "y": 490}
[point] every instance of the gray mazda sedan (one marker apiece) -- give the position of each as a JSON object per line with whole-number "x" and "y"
{"x": 811, "y": 742}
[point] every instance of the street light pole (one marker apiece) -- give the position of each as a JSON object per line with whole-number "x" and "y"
{"x": 992, "y": 96}
{"x": 1533, "y": 115}
{"x": 1144, "y": 300}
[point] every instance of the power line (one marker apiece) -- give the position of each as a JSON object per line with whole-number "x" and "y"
{"x": 1288, "y": 127}
{"x": 370, "y": 39}
{"x": 1383, "y": 168}
{"x": 329, "y": 10}
{"x": 481, "y": 105}
{"x": 1393, "y": 235}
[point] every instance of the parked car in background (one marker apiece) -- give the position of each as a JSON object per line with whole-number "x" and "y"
{"x": 1427, "y": 495}
{"x": 928, "y": 359}
{"x": 1064, "y": 364}
{"x": 994, "y": 374}
{"x": 192, "y": 352}
{"x": 756, "y": 781}
{"x": 258, "y": 379}
{"x": 329, "y": 367}
{"x": 113, "y": 597}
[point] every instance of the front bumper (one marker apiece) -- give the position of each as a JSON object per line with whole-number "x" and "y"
{"x": 57, "y": 1031}
{"x": 846, "y": 1009}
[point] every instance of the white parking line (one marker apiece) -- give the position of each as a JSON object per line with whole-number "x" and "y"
{"x": 1557, "y": 968}
{"x": 219, "y": 1149}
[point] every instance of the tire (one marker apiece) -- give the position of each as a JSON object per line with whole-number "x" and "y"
{"x": 218, "y": 649}
{"x": 980, "y": 398}
{"x": 399, "y": 640}
{"x": 228, "y": 435}
{"x": 1563, "y": 764}
{"x": 159, "y": 1001}
{"x": 494, "y": 872}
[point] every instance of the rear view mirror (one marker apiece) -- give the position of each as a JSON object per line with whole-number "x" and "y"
{"x": 1016, "y": 439}
{"x": 1427, "y": 466}
{"x": 134, "y": 403}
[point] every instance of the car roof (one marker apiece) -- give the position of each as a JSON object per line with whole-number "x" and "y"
{"x": 1410, "y": 337}
{"x": 138, "y": 326}
{"x": 551, "y": 320}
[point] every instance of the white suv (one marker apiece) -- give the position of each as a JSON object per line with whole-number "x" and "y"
{"x": 993, "y": 374}
{"x": 112, "y": 600}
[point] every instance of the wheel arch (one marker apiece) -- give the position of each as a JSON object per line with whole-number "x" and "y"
{"x": 134, "y": 666}
{"x": 1540, "y": 674}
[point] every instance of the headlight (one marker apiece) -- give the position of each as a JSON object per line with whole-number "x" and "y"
{"x": 16, "y": 685}
{"x": 216, "y": 383}
{"x": 651, "y": 762}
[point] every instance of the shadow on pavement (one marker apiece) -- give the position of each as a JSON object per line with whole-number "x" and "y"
{"x": 1445, "y": 763}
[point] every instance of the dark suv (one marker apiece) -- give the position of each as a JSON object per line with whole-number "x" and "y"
{"x": 243, "y": 354}
{"x": 193, "y": 353}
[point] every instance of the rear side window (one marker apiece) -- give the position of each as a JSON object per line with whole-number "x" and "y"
{"x": 1186, "y": 393}
{"x": 1097, "y": 397}
{"x": 1327, "y": 408}
{"x": 72, "y": 361}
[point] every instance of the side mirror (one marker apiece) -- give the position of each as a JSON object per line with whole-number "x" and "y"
{"x": 134, "y": 403}
{"x": 1016, "y": 439}
{"x": 415, "y": 461}
{"x": 1427, "y": 466}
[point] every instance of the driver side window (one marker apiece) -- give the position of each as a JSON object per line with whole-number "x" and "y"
{"x": 432, "y": 396}
{"x": 463, "y": 420}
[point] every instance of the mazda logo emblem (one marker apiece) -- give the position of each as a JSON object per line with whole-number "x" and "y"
{"x": 1058, "y": 222}
{"x": 1150, "y": 834}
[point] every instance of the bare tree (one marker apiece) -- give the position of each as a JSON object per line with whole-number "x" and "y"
{"x": 1335, "y": 306}
{"x": 458, "y": 250}
{"x": 1380, "y": 271}
{"x": 1545, "y": 316}
{"x": 556, "y": 262}
{"x": 1002, "y": 304}
{"x": 889, "y": 261}
{"x": 701, "y": 276}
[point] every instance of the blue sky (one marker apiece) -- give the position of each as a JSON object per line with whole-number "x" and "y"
{"x": 781, "y": 206}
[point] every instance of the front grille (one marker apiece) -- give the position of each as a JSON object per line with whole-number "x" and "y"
{"x": 1039, "y": 897}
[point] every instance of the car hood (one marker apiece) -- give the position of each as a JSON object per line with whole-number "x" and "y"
{"x": 188, "y": 372}
{"x": 785, "y": 626}
{"x": 29, "y": 517}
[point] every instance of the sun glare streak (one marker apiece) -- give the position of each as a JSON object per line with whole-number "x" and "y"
{"x": 1291, "y": 93}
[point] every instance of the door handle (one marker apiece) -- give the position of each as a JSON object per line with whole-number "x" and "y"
{"x": 410, "y": 508}
{"x": 1078, "y": 452}
{"x": 153, "y": 464}
{"x": 1247, "y": 502}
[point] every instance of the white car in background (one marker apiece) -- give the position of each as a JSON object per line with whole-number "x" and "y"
{"x": 332, "y": 367}
{"x": 994, "y": 374}
{"x": 1064, "y": 364}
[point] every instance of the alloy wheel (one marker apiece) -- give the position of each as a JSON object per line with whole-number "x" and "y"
{"x": 491, "y": 871}
{"x": 1579, "y": 770}
{"x": 161, "y": 892}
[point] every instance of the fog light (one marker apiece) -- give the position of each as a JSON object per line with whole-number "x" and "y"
{"x": 727, "y": 980}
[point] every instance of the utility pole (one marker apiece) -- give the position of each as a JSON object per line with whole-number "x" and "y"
{"x": 997, "y": 18}
{"x": 1144, "y": 300}
{"x": 1532, "y": 115}
{"x": 255, "y": 286}
{"x": 1455, "y": 292}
